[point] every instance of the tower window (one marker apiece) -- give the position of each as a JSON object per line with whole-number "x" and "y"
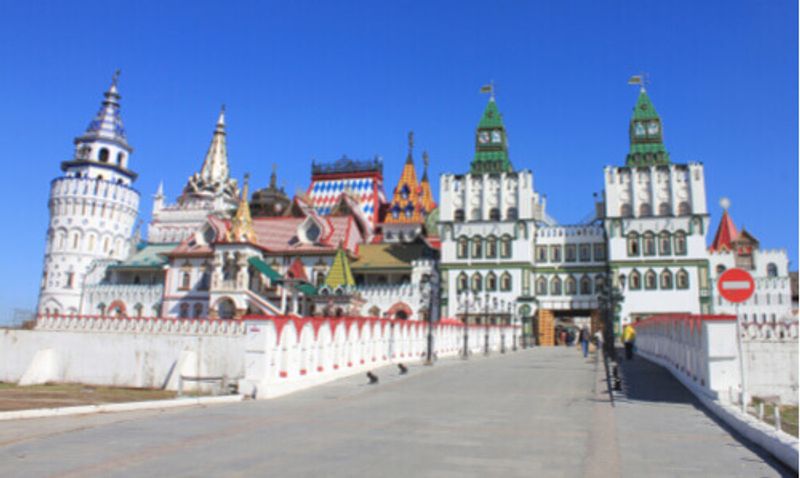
{"x": 120, "y": 158}
{"x": 505, "y": 281}
{"x": 70, "y": 280}
{"x": 494, "y": 214}
{"x": 461, "y": 250}
{"x": 663, "y": 209}
{"x": 459, "y": 215}
{"x": 772, "y": 270}
{"x": 645, "y": 210}
{"x": 102, "y": 156}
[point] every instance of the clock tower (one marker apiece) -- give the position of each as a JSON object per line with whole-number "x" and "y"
{"x": 491, "y": 143}
{"x": 646, "y": 137}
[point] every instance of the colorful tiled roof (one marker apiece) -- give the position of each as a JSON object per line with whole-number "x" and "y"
{"x": 406, "y": 205}
{"x": 365, "y": 184}
{"x": 340, "y": 274}
{"x": 387, "y": 256}
{"x": 279, "y": 234}
{"x": 726, "y": 233}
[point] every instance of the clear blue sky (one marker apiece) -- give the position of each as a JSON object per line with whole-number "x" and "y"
{"x": 305, "y": 80}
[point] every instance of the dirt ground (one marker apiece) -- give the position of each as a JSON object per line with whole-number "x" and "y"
{"x": 13, "y": 397}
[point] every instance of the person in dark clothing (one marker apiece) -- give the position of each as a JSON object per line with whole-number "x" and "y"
{"x": 584, "y": 338}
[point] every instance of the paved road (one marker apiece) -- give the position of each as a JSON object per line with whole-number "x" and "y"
{"x": 532, "y": 413}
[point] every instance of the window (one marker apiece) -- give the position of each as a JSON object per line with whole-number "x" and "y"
{"x": 664, "y": 243}
{"x": 491, "y": 247}
{"x": 205, "y": 280}
{"x": 476, "y": 214}
{"x": 320, "y": 279}
{"x": 634, "y": 280}
{"x": 505, "y": 247}
{"x": 555, "y": 286}
{"x": 599, "y": 283}
{"x": 186, "y": 280}
{"x": 70, "y": 280}
{"x": 645, "y": 210}
{"x": 477, "y": 282}
{"x": 103, "y": 155}
{"x": 650, "y": 280}
{"x": 625, "y": 210}
{"x": 511, "y": 214}
{"x": 505, "y": 281}
{"x": 459, "y": 215}
{"x": 409, "y": 211}
{"x": 138, "y": 309}
{"x": 720, "y": 269}
{"x": 491, "y": 282}
{"x": 541, "y": 253}
{"x": 680, "y": 243}
{"x": 198, "y": 310}
{"x": 184, "y": 311}
{"x": 586, "y": 253}
{"x": 404, "y": 192}
{"x": 461, "y": 248}
{"x": 120, "y": 158}
{"x": 599, "y": 252}
{"x": 494, "y": 214}
{"x": 772, "y": 270}
{"x": 101, "y": 308}
{"x": 461, "y": 283}
{"x": 570, "y": 286}
{"x": 555, "y": 253}
{"x": 649, "y": 244}
{"x": 663, "y": 209}
{"x": 684, "y": 209}
{"x": 586, "y": 285}
{"x": 477, "y": 247}
{"x": 570, "y": 253}
{"x": 541, "y": 286}
{"x": 633, "y": 244}
{"x": 666, "y": 279}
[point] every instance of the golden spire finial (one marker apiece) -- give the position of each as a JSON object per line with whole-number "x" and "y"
{"x": 242, "y": 222}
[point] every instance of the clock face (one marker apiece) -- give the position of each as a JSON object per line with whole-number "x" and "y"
{"x": 483, "y": 137}
{"x": 652, "y": 127}
{"x": 638, "y": 129}
{"x": 496, "y": 136}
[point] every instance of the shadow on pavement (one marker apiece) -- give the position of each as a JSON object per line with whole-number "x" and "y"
{"x": 645, "y": 381}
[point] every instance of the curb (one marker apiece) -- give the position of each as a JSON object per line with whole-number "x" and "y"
{"x": 117, "y": 407}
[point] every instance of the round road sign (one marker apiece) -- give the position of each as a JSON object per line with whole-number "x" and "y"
{"x": 736, "y": 285}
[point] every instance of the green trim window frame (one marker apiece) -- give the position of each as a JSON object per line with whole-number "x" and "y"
{"x": 585, "y": 253}
{"x": 599, "y": 280}
{"x": 570, "y": 286}
{"x": 505, "y": 246}
{"x": 633, "y": 244}
{"x": 682, "y": 279}
{"x": 586, "y": 285}
{"x": 462, "y": 248}
{"x": 541, "y": 286}
{"x": 555, "y": 286}
{"x": 648, "y": 244}
{"x": 491, "y": 282}
{"x": 477, "y": 282}
{"x": 505, "y": 281}
{"x": 462, "y": 282}
{"x": 570, "y": 253}
{"x": 666, "y": 279}
{"x": 634, "y": 280}
{"x": 491, "y": 247}
{"x": 599, "y": 252}
{"x": 650, "y": 280}
{"x": 555, "y": 253}
{"x": 664, "y": 243}
{"x": 679, "y": 241}
{"x": 541, "y": 254}
{"x": 477, "y": 247}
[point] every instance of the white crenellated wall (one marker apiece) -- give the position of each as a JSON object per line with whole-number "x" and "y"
{"x": 771, "y": 354}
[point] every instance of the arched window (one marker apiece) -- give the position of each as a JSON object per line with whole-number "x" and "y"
{"x": 476, "y": 214}
{"x": 505, "y": 247}
{"x": 599, "y": 283}
{"x": 226, "y": 309}
{"x": 682, "y": 279}
{"x": 684, "y": 209}
{"x": 663, "y": 209}
{"x": 666, "y": 279}
{"x": 555, "y": 286}
{"x": 634, "y": 280}
{"x": 461, "y": 248}
{"x": 680, "y": 243}
{"x": 541, "y": 286}
{"x": 511, "y": 214}
{"x": 650, "y": 280}
{"x": 184, "y": 311}
{"x": 494, "y": 214}
{"x": 633, "y": 243}
{"x": 570, "y": 286}
{"x": 586, "y": 285}
{"x": 459, "y": 215}
{"x": 625, "y": 210}
{"x": 477, "y": 247}
{"x": 198, "y": 310}
{"x": 645, "y": 210}
{"x": 461, "y": 283}
{"x": 664, "y": 243}
{"x": 186, "y": 280}
{"x": 491, "y": 282}
{"x": 491, "y": 247}
{"x": 772, "y": 270}
{"x": 103, "y": 155}
{"x": 120, "y": 158}
{"x": 720, "y": 269}
{"x": 648, "y": 244}
{"x": 138, "y": 309}
{"x": 477, "y": 282}
{"x": 505, "y": 281}
{"x": 320, "y": 279}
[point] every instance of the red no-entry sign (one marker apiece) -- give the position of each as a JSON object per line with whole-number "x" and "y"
{"x": 736, "y": 285}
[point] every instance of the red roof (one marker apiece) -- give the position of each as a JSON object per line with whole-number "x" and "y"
{"x": 297, "y": 271}
{"x": 279, "y": 234}
{"x": 726, "y": 233}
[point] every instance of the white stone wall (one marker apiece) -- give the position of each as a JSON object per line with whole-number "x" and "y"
{"x": 478, "y": 194}
{"x": 771, "y": 354}
{"x": 137, "y": 300}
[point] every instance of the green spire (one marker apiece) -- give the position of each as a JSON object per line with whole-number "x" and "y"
{"x": 646, "y": 135}
{"x": 491, "y": 145}
{"x": 340, "y": 274}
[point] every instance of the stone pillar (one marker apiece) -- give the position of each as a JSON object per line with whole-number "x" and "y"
{"x": 546, "y": 327}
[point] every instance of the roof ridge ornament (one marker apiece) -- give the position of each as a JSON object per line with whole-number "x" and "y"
{"x": 642, "y": 79}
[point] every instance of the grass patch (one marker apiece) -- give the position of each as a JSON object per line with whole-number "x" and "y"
{"x": 789, "y": 415}
{"x": 13, "y": 397}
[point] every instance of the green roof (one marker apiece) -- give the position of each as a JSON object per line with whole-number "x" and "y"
{"x": 340, "y": 273}
{"x": 491, "y": 157}
{"x": 265, "y": 269}
{"x": 307, "y": 289}
{"x": 387, "y": 256}
{"x": 152, "y": 256}
{"x": 647, "y": 148}
{"x": 492, "y": 118}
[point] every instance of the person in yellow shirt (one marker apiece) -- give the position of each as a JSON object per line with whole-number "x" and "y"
{"x": 629, "y": 337}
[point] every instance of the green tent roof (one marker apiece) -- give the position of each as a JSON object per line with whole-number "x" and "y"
{"x": 265, "y": 269}
{"x": 340, "y": 273}
{"x": 644, "y": 108}
{"x": 492, "y": 118}
{"x": 152, "y": 256}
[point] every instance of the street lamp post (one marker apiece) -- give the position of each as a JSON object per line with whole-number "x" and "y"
{"x": 486, "y": 324}
{"x": 465, "y": 302}
{"x": 427, "y": 296}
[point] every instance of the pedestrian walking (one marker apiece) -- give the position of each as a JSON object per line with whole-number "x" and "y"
{"x": 598, "y": 340}
{"x": 629, "y": 338}
{"x": 584, "y": 339}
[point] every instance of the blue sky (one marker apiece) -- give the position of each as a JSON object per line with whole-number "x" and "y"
{"x": 315, "y": 80}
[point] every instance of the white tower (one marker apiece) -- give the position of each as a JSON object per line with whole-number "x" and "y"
{"x": 92, "y": 208}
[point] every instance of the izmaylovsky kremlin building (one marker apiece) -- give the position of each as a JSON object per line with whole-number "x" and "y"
{"x": 489, "y": 253}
